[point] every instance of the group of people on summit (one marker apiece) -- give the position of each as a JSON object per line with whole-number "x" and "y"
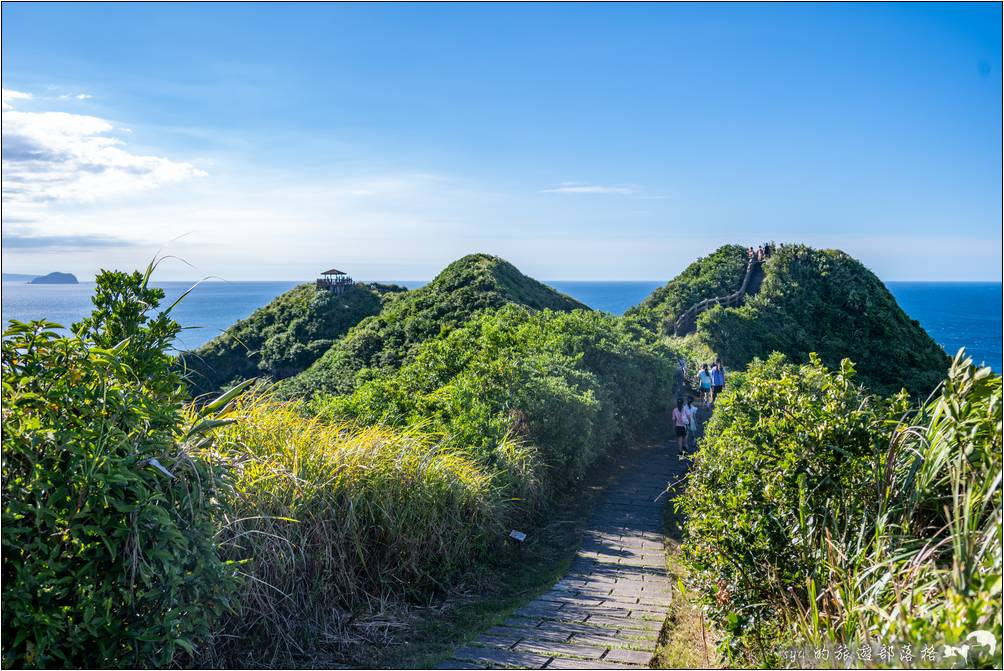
{"x": 711, "y": 381}
{"x": 760, "y": 254}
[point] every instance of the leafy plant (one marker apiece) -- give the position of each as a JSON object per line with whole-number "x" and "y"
{"x": 109, "y": 552}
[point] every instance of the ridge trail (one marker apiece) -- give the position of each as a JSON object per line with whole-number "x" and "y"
{"x": 606, "y": 612}
{"x": 687, "y": 321}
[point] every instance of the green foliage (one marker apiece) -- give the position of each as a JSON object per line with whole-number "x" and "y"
{"x": 570, "y": 384}
{"x": 826, "y": 302}
{"x": 817, "y": 514}
{"x": 717, "y": 274}
{"x": 107, "y": 560}
{"x": 332, "y": 519}
{"x": 284, "y": 337}
{"x": 474, "y": 283}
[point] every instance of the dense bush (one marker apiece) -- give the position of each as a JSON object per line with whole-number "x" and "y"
{"x": 109, "y": 552}
{"x": 282, "y": 338}
{"x": 570, "y": 384}
{"x": 826, "y": 302}
{"x": 466, "y": 287}
{"x": 333, "y": 520}
{"x": 717, "y": 274}
{"x": 820, "y": 516}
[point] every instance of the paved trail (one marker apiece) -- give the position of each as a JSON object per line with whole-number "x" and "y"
{"x": 606, "y": 612}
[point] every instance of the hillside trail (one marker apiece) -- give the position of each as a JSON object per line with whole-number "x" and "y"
{"x": 752, "y": 279}
{"x": 607, "y": 610}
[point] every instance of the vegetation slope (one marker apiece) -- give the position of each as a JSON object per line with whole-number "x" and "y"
{"x": 833, "y": 524}
{"x": 467, "y": 286}
{"x": 717, "y": 274}
{"x": 810, "y": 300}
{"x": 284, "y": 337}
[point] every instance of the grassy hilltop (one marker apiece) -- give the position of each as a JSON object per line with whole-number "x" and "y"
{"x": 465, "y": 287}
{"x": 284, "y": 337}
{"x": 810, "y": 300}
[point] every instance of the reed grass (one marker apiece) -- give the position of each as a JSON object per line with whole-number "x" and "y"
{"x": 334, "y": 521}
{"x": 925, "y": 566}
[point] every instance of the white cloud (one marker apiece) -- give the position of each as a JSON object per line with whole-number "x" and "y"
{"x": 84, "y": 96}
{"x": 570, "y": 188}
{"x": 9, "y": 96}
{"x": 52, "y": 157}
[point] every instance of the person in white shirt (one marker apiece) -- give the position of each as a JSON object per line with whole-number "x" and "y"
{"x": 691, "y": 411}
{"x": 680, "y": 422}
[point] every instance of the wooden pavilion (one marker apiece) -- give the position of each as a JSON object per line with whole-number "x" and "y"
{"x": 334, "y": 280}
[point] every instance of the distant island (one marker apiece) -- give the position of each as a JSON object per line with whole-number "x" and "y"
{"x": 55, "y": 278}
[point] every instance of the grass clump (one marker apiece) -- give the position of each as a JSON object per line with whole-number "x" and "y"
{"x": 333, "y": 521}
{"x": 821, "y": 517}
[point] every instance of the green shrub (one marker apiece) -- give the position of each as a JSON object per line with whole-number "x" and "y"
{"x": 818, "y": 515}
{"x": 570, "y": 384}
{"x": 779, "y": 434}
{"x": 466, "y": 287}
{"x": 332, "y": 521}
{"x": 107, "y": 559}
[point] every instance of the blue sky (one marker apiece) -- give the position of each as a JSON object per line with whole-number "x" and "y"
{"x": 578, "y": 141}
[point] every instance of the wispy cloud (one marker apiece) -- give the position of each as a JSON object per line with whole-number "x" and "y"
{"x": 571, "y": 188}
{"x": 9, "y": 96}
{"x": 56, "y": 156}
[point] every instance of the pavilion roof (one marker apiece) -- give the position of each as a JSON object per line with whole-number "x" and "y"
{"x": 333, "y": 271}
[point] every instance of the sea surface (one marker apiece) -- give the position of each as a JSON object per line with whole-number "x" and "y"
{"x": 956, "y": 314}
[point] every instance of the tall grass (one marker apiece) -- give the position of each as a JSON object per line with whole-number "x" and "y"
{"x": 925, "y": 566}
{"x": 333, "y": 520}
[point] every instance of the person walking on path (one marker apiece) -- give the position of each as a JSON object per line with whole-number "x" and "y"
{"x": 717, "y": 380}
{"x": 691, "y": 411}
{"x": 704, "y": 381}
{"x": 680, "y": 422}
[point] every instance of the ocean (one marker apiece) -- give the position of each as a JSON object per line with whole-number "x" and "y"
{"x": 956, "y": 314}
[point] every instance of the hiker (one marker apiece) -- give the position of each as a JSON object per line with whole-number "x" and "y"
{"x": 766, "y": 250}
{"x": 680, "y": 423}
{"x": 704, "y": 381}
{"x": 749, "y": 253}
{"x": 691, "y": 411}
{"x": 717, "y": 380}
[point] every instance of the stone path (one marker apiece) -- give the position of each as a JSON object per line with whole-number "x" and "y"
{"x": 606, "y": 612}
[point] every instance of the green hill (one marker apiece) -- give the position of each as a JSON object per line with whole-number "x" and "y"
{"x": 717, "y": 274}
{"x": 810, "y": 300}
{"x": 465, "y": 287}
{"x": 284, "y": 337}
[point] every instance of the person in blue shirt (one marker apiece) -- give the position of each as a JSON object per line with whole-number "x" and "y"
{"x": 717, "y": 380}
{"x": 704, "y": 380}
